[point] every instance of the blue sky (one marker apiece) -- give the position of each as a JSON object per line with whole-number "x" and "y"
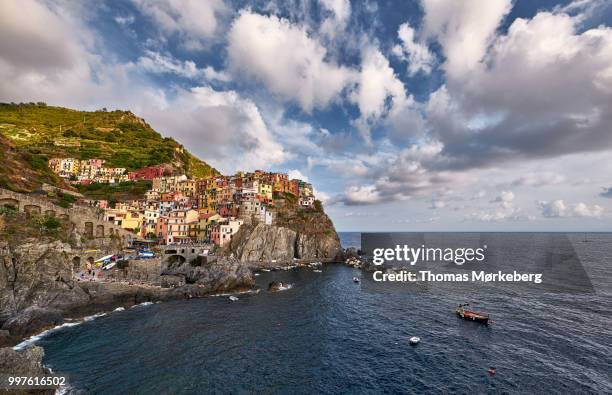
{"x": 405, "y": 115}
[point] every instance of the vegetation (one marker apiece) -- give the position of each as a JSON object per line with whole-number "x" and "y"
{"x": 38, "y": 132}
{"x": 65, "y": 200}
{"x": 318, "y": 205}
{"x": 18, "y": 225}
{"x": 122, "y": 191}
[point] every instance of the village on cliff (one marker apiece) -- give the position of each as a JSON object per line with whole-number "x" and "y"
{"x": 182, "y": 210}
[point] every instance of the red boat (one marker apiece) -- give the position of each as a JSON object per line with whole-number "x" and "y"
{"x": 471, "y": 315}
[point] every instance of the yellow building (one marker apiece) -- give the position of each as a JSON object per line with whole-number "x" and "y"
{"x": 265, "y": 190}
{"x": 133, "y": 220}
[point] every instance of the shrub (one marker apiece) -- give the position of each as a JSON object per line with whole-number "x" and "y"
{"x": 318, "y": 205}
{"x": 51, "y": 223}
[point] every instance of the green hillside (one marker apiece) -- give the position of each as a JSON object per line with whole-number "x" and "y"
{"x": 39, "y": 132}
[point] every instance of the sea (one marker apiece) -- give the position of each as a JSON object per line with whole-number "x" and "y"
{"x": 327, "y": 334}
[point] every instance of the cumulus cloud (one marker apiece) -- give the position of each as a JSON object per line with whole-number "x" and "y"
{"x": 506, "y": 199}
{"x": 258, "y": 48}
{"x": 404, "y": 177}
{"x": 464, "y": 29}
{"x": 555, "y": 105}
{"x": 380, "y": 91}
{"x": 336, "y": 23}
{"x": 558, "y": 208}
{"x": 220, "y": 126}
{"x": 195, "y": 22}
{"x": 415, "y": 53}
{"x": 362, "y": 194}
{"x": 296, "y": 174}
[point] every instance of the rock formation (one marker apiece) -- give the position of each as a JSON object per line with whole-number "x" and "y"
{"x": 37, "y": 288}
{"x": 27, "y": 363}
{"x": 303, "y": 234}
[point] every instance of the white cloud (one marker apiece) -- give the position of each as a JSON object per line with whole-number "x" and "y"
{"x": 259, "y": 48}
{"x": 363, "y": 194}
{"x": 296, "y": 174}
{"x": 537, "y": 179}
{"x": 225, "y": 129}
{"x": 195, "y": 22}
{"x": 340, "y": 8}
{"x": 506, "y": 199}
{"x": 334, "y": 25}
{"x": 416, "y": 53}
{"x": 583, "y": 210}
{"x": 155, "y": 62}
{"x": 377, "y": 81}
{"x": 376, "y": 84}
{"x": 558, "y": 208}
{"x": 464, "y": 29}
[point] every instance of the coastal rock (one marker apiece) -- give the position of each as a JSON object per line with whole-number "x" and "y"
{"x": 274, "y": 286}
{"x": 222, "y": 275}
{"x": 316, "y": 236}
{"x": 35, "y": 283}
{"x": 301, "y": 233}
{"x": 37, "y": 289}
{"x": 324, "y": 246}
{"x": 24, "y": 363}
{"x": 264, "y": 243}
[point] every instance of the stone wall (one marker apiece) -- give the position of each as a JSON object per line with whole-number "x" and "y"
{"x": 88, "y": 221}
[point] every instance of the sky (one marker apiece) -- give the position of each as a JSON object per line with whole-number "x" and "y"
{"x": 425, "y": 115}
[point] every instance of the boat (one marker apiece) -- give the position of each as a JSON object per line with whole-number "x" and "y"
{"x": 471, "y": 315}
{"x": 109, "y": 266}
{"x": 356, "y": 279}
{"x": 233, "y": 298}
{"x": 414, "y": 340}
{"x": 317, "y": 271}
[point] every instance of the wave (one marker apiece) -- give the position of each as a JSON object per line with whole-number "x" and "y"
{"x": 30, "y": 341}
{"x": 143, "y": 304}
{"x": 33, "y": 339}
{"x": 93, "y": 317}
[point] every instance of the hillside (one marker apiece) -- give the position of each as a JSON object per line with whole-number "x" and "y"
{"x": 37, "y": 132}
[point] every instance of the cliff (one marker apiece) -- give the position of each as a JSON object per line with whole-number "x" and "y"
{"x": 38, "y": 289}
{"x": 305, "y": 234}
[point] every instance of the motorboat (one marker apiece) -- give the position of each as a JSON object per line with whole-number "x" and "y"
{"x": 356, "y": 279}
{"x": 233, "y": 298}
{"x": 414, "y": 340}
{"x": 471, "y": 315}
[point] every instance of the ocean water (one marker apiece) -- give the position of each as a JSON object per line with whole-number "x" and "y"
{"x": 330, "y": 335}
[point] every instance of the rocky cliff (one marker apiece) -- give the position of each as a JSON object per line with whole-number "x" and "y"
{"x": 26, "y": 363}
{"x": 38, "y": 289}
{"x": 306, "y": 234}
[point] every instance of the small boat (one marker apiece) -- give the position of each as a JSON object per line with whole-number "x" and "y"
{"x": 492, "y": 371}
{"x": 356, "y": 279}
{"x": 414, "y": 340}
{"x": 233, "y": 298}
{"x": 317, "y": 271}
{"x": 471, "y": 315}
